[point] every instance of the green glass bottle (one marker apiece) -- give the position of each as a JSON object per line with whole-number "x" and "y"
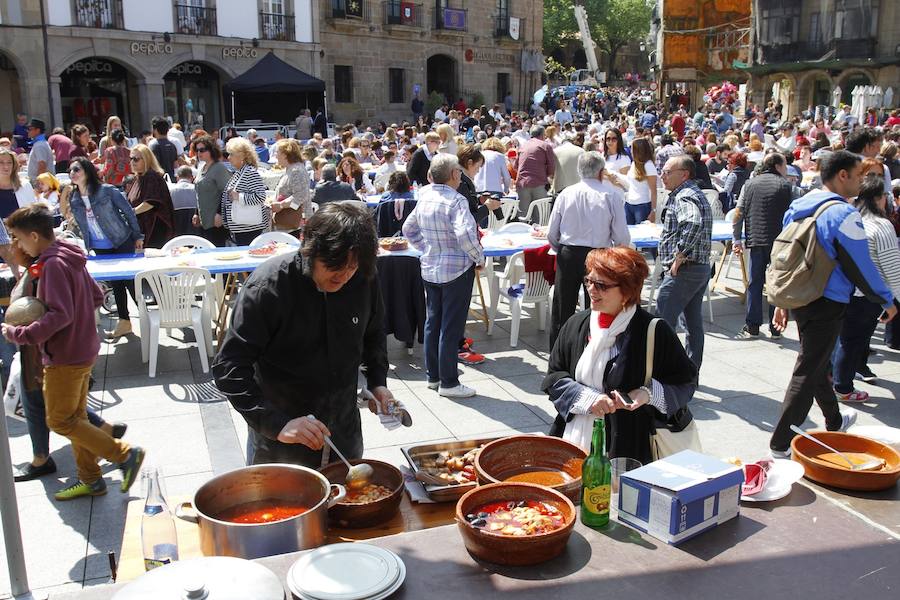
{"x": 596, "y": 476}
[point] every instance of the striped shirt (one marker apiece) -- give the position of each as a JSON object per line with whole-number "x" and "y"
{"x": 883, "y": 249}
{"x": 589, "y": 395}
{"x": 443, "y": 229}
{"x": 249, "y": 184}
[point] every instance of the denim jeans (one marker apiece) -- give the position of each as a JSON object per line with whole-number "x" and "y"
{"x": 119, "y": 287}
{"x": 446, "y": 307}
{"x": 637, "y": 213}
{"x": 851, "y": 349}
{"x": 760, "y": 256}
{"x": 36, "y": 420}
{"x": 683, "y": 295}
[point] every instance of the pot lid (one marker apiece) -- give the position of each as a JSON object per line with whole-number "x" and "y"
{"x": 208, "y": 578}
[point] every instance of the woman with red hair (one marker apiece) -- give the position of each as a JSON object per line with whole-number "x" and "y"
{"x": 598, "y": 365}
{"x": 735, "y": 180}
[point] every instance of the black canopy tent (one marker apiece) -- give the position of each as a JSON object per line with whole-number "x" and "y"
{"x": 274, "y": 92}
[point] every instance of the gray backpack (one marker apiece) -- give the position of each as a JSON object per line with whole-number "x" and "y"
{"x": 800, "y": 266}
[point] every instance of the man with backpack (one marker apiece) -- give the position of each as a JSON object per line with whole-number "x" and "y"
{"x": 813, "y": 273}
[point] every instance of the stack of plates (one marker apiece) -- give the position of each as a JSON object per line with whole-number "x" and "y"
{"x": 346, "y": 572}
{"x": 780, "y": 478}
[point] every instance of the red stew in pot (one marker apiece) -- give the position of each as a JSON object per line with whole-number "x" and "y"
{"x": 262, "y": 511}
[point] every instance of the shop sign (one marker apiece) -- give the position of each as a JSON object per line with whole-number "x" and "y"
{"x": 186, "y": 68}
{"x": 239, "y": 52}
{"x": 90, "y": 67}
{"x": 503, "y": 59}
{"x": 151, "y": 48}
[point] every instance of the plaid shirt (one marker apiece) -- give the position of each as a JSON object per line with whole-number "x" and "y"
{"x": 687, "y": 226}
{"x": 444, "y": 230}
{"x": 4, "y": 235}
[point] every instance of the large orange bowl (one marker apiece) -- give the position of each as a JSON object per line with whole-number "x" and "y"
{"x": 503, "y": 458}
{"x": 807, "y": 452}
{"x": 509, "y": 549}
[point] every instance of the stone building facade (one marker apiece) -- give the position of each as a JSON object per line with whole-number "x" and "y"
{"x": 389, "y": 55}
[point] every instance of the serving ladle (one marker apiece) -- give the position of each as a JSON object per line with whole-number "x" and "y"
{"x": 358, "y": 476}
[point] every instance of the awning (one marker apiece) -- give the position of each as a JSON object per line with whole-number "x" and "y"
{"x": 806, "y": 65}
{"x": 271, "y": 74}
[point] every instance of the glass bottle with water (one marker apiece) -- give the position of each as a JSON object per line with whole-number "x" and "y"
{"x": 157, "y": 525}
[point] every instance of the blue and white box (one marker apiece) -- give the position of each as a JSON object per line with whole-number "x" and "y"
{"x": 677, "y": 497}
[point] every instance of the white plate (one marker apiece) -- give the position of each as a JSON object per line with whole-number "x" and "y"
{"x": 401, "y": 577}
{"x": 781, "y": 476}
{"x": 344, "y": 572}
{"x": 879, "y": 433}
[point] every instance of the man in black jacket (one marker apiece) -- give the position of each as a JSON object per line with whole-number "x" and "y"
{"x": 766, "y": 197}
{"x": 303, "y": 325}
{"x": 418, "y": 166}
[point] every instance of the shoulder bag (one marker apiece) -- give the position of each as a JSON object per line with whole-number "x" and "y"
{"x": 667, "y": 440}
{"x": 241, "y": 212}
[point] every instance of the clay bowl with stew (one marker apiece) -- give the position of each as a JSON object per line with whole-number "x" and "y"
{"x": 514, "y": 550}
{"x": 548, "y": 461}
{"x": 821, "y": 466}
{"x": 371, "y": 513}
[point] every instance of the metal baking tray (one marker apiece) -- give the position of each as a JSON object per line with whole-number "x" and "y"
{"x": 443, "y": 493}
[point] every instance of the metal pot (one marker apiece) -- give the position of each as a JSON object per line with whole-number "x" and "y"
{"x": 291, "y": 483}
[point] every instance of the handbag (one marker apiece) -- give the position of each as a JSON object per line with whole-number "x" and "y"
{"x": 243, "y": 213}
{"x": 12, "y": 395}
{"x": 670, "y": 437}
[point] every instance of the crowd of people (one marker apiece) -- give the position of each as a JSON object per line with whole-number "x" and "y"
{"x": 605, "y": 160}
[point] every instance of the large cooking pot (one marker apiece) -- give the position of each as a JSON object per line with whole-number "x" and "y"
{"x": 278, "y": 482}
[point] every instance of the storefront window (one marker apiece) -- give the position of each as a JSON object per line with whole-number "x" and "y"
{"x": 93, "y": 89}
{"x": 193, "y": 96}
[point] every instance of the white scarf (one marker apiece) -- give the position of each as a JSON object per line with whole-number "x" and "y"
{"x": 589, "y": 371}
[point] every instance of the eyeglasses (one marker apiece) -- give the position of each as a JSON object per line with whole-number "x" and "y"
{"x": 670, "y": 171}
{"x": 600, "y": 285}
{"x": 75, "y": 170}
{"x": 134, "y": 158}
{"x": 612, "y": 139}
{"x": 201, "y": 148}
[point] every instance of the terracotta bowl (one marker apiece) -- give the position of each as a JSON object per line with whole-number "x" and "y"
{"x": 374, "y": 513}
{"x": 507, "y": 549}
{"x": 508, "y": 456}
{"x": 806, "y": 452}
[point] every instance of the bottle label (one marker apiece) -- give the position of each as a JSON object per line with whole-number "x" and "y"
{"x": 596, "y": 499}
{"x": 152, "y": 563}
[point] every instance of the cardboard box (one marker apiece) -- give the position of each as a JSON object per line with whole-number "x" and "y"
{"x": 678, "y": 497}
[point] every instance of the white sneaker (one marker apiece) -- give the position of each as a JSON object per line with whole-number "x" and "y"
{"x": 786, "y": 454}
{"x": 460, "y": 391}
{"x": 848, "y": 418}
{"x": 433, "y": 385}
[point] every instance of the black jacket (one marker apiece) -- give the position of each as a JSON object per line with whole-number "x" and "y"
{"x": 418, "y": 166}
{"x": 627, "y": 432}
{"x": 766, "y": 198}
{"x": 292, "y": 351}
{"x": 333, "y": 191}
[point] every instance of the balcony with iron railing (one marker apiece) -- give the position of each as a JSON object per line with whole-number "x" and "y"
{"x": 350, "y": 10}
{"x": 276, "y": 26}
{"x": 835, "y": 49}
{"x": 98, "y": 14}
{"x": 453, "y": 20}
{"x": 195, "y": 20}
{"x": 502, "y": 27}
{"x": 406, "y": 14}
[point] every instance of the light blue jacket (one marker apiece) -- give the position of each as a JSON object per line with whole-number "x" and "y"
{"x": 840, "y": 231}
{"x": 114, "y": 215}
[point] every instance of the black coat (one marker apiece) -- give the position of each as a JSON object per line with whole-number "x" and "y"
{"x": 333, "y": 191}
{"x": 627, "y": 432}
{"x": 292, "y": 351}
{"x": 766, "y": 198}
{"x": 418, "y": 166}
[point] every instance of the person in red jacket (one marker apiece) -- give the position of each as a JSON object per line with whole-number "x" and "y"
{"x": 67, "y": 336}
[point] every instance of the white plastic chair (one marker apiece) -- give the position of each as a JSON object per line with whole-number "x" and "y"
{"x": 509, "y": 208}
{"x": 274, "y": 236}
{"x": 655, "y": 279}
{"x": 536, "y": 292}
{"x": 175, "y": 294}
{"x": 518, "y": 227}
{"x": 192, "y": 241}
{"x": 730, "y": 215}
{"x": 717, "y": 251}
{"x": 539, "y": 212}
{"x": 715, "y": 206}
